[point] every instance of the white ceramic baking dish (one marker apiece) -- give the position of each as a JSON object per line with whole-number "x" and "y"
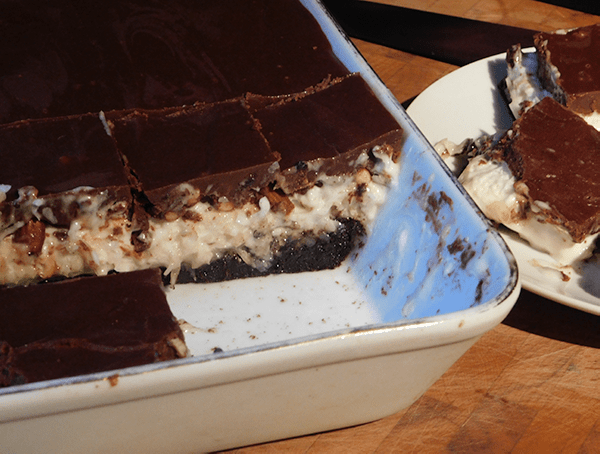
{"x": 302, "y": 353}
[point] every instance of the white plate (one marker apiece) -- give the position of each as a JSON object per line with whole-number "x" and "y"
{"x": 467, "y": 103}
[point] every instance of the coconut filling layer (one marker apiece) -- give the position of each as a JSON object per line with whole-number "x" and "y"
{"x": 491, "y": 184}
{"x": 65, "y": 251}
{"x": 522, "y": 83}
{"x": 97, "y": 243}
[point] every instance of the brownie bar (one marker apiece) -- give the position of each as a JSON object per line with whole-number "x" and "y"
{"x": 569, "y": 67}
{"x": 85, "y": 325}
{"x": 214, "y": 149}
{"x": 330, "y": 126}
{"x": 554, "y": 155}
{"x": 57, "y": 170}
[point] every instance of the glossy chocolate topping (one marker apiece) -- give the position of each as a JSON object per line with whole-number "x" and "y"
{"x": 84, "y": 325}
{"x": 216, "y": 148}
{"x": 56, "y": 168}
{"x": 326, "y": 123}
{"x": 58, "y": 155}
{"x": 576, "y": 55}
{"x": 556, "y": 154}
{"x": 69, "y": 56}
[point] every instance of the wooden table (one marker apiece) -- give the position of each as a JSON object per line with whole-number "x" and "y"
{"x": 531, "y": 385}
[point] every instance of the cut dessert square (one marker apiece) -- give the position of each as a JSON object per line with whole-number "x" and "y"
{"x": 522, "y": 87}
{"x": 181, "y": 155}
{"x": 336, "y": 169}
{"x": 55, "y": 156}
{"x": 59, "y": 177}
{"x": 85, "y": 325}
{"x": 569, "y": 67}
{"x": 541, "y": 180}
{"x": 325, "y": 130}
{"x": 565, "y": 66}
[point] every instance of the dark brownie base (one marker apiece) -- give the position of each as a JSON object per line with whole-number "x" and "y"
{"x": 305, "y": 254}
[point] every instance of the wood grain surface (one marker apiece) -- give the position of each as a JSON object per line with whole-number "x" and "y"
{"x": 532, "y": 384}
